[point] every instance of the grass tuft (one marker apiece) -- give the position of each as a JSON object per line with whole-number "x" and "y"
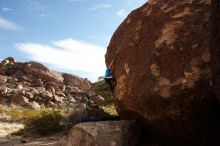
{"x": 110, "y": 110}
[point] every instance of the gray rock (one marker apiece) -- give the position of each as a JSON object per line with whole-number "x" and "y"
{"x": 58, "y": 99}
{"x": 46, "y": 95}
{"x": 19, "y": 87}
{"x": 3, "y": 89}
{"x": 34, "y": 105}
{"x": 29, "y": 95}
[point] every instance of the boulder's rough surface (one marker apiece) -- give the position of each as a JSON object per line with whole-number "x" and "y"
{"x": 160, "y": 58}
{"x": 109, "y": 133}
{"x": 215, "y": 47}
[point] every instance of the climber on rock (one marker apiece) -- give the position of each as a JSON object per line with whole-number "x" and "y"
{"x": 110, "y": 79}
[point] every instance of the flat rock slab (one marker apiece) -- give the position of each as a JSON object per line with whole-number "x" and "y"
{"x": 105, "y": 133}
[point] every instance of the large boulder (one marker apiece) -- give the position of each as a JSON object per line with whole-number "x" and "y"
{"x": 215, "y": 47}
{"x": 72, "y": 80}
{"x": 109, "y": 133}
{"x": 19, "y": 100}
{"x": 38, "y": 71}
{"x": 160, "y": 58}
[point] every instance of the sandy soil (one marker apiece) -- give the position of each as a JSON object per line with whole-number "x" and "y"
{"x": 6, "y": 139}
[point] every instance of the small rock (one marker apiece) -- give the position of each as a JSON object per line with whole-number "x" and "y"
{"x": 59, "y": 93}
{"x": 97, "y": 99}
{"x": 38, "y": 83}
{"x": 50, "y": 84}
{"x": 34, "y": 105}
{"x": 3, "y": 89}
{"x": 29, "y": 95}
{"x": 47, "y": 95}
{"x": 58, "y": 99}
{"x": 72, "y": 100}
{"x": 51, "y": 89}
{"x": 12, "y": 80}
{"x": 51, "y": 104}
{"x": 35, "y": 92}
{"x": 19, "y": 87}
{"x": 3, "y": 79}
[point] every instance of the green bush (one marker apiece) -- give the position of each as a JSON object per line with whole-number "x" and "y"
{"x": 15, "y": 114}
{"x": 110, "y": 110}
{"x": 47, "y": 122}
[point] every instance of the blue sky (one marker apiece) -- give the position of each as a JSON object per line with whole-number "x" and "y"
{"x": 65, "y": 35}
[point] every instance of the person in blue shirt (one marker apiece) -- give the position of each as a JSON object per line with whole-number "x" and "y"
{"x": 110, "y": 79}
{"x": 107, "y": 72}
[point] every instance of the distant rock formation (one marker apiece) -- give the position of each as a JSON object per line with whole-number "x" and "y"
{"x": 31, "y": 84}
{"x": 160, "y": 58}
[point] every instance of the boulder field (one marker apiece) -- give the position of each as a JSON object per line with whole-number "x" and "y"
{"x": 33, "y": 85}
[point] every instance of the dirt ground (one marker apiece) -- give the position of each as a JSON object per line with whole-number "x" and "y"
{"x": 8, "y": 139}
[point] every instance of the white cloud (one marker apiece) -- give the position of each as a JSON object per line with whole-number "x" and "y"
{"x": 68, "y": 54}
{"x": 44, "y": 15}
{"x": 122, "y": 13}
{"x": 6, "y": 9}
{"x": 6, "y": 24}
{"x": 99, "y": 6}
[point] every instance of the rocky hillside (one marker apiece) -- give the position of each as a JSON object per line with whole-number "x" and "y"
{"x": 31, "y": 84}
{"x": 161, "y": 60}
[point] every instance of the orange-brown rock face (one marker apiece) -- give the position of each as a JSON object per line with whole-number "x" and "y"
{"x": 160, "y": 57}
